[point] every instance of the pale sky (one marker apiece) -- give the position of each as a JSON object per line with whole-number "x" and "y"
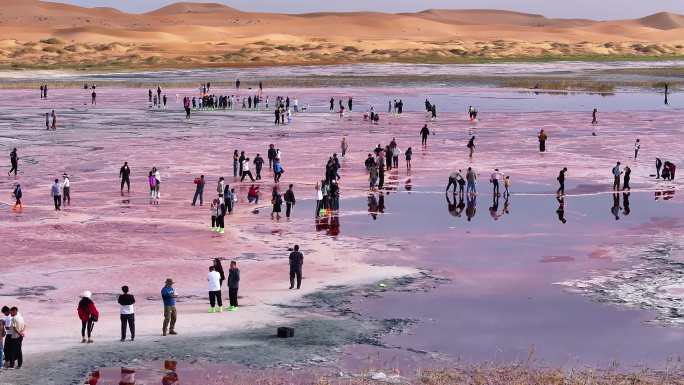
{"x": 594, "y": 9}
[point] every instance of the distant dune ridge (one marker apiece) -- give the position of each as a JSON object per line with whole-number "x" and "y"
{"x": 44, "y": 34}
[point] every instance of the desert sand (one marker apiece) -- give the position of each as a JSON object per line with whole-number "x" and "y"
{"x": 52, "y": 35}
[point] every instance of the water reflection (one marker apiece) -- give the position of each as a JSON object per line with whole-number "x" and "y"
{"x": 170, "y": 376}
{"x": 560, "y": 211}
{"x": 665, "y": 195}
{"x": 329, "y": 223}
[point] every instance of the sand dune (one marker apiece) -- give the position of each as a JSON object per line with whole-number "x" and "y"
{"x": 52, "y": 35}
{"x": 663, "y": 20}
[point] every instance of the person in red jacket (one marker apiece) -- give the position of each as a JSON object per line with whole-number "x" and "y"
{"x": 88, "y": 314}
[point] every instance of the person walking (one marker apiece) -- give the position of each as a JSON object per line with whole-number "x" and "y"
{"x": 199, "y": 190}
{"x": 66, "y": 189}
{"x": 127, "y": 313}
{"x": 296, "y": 264}
{"x": 233, "y": 285}
{"x": 124, "y": 174}
{"x": 616, "y": 176}
{"x": 56, "y": 193}
{"x": 88, "y": 314}
{"x": 561, "y": 181}
{"x": 471, "y": 146}
{"x": 168, "y": 294}
{"x": 17, "y": 194}
{"x": 424, "y": 133}
{"x": 214, "y": 283}
{"x": 289, "y": 200}
{"x": 13, "y": 162}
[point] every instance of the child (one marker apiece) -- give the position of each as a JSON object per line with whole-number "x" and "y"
{"x": 214, "y": 214}
{"x": 507, "y": 184}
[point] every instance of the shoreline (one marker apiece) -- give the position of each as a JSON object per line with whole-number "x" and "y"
{"x": 323, "y": 321}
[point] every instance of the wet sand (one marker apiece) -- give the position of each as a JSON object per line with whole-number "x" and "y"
{"x": 104, "y": 240}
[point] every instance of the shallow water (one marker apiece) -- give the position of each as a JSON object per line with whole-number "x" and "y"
{"x": 571, "y": 290}
{"x": 396, "y": 69}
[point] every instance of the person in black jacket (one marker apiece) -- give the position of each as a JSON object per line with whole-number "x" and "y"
{"x": 296, "y": 263}
{"x": 289, "y": 200}
{"x": 127, "y": 313}
{"x": 233, "y": 285}
{"x": 258, "y": 164}
{"x": 271, "y": 156}
{"x": 124, "y": 174}
{"x": 13, "y": 162}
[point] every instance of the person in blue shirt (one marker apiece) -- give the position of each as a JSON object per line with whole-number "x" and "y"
{"x": 169, "y": 296}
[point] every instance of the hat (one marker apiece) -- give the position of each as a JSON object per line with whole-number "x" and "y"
{"x": 169, "y": 281}
{"x": 87, "y": 294}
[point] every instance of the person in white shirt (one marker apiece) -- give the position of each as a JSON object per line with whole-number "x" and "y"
{"x": 245, "y": 170}
{"x": 127, "y": 311}
{"x": 157, "y": 176}
{"x": 214, "y": 280}
{"x": 496, "y": 176}
{"x": 637, "y": 146}
{"x": 66, "y": 187}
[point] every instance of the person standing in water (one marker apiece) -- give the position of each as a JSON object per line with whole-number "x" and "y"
{"x": 276, "y": 202}
{"x": 616, "y": 176}
{"x": 344, "y": 146}
{"x": 666, "y": 92}
{"x": 14, "y": 162}
{"x": 542, "y": 140}
{"x": 332, "y": 104}
{"x": 658, "y": 164}
{"x": 637, "y": 146}
{"x": 471, "y": 177}
{"x": 471, "y": 146}
{"x": 54, "y": 120}
{"x": 17, "y": 194}
{"x": 408, "y": 155}
{"x": 124, "y": 174}
{"x": 626, "y": 178}
{"x": 289, "y": 200}
{"x": 424, "y": 133}
{"x": 594, "y": 116}
{"x": 47, "y": 121}
{"x": 561, "y": 181}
